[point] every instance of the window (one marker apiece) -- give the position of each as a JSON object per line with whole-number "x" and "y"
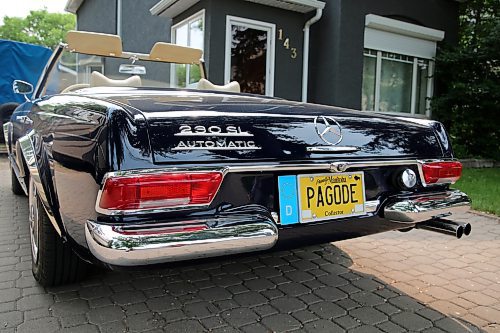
{"x": 189, "y": 32}
{"x": 396, "y": 83}
{"x": 398, "y": 68}
{"x": 250, "y": 55}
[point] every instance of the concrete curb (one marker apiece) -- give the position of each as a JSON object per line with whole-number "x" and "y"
{"x": 479, "y": 163}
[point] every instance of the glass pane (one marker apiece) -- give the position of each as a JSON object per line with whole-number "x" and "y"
{"x": 395, "y": 86}
{"x": 368, "y": 93}
{"x": 249, "y": 58}
{"x": 196, "y": 34}
{"x": 422, "y": 81}
{"x": 180, "y": 75}
{"x": 181, "y": 35}
{"x": 194, "y": 74}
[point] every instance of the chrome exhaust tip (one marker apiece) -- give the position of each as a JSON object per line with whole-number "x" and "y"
{"x": 445, "y": 227}
{"x": 467, "y": 229}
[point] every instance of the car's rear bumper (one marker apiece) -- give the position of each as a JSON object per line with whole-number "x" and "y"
{"x": 424, "y": 207}
{"x": 137, "y": 245}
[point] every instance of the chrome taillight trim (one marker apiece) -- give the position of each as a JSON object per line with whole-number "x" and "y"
{"x": 338, "y": 166}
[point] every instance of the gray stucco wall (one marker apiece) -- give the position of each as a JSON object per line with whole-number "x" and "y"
{"x": 97, "y": 16}
{"x": 140, "y": 29}
{"x": 336, "y": 63}
{"x": 287, "y": 71}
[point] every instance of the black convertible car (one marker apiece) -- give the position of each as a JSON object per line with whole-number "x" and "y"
{"x": 124, "y": 169}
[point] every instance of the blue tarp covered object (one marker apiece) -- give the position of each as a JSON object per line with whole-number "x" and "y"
{"x": 20, "y": 61}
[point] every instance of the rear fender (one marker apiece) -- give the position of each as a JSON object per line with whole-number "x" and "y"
{"x": 41, "y": 171}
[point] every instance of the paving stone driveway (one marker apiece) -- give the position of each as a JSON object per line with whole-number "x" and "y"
{"x": 393, "y": 282}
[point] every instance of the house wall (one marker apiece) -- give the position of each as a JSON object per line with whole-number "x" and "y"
{"x": 287, "y": 71}
{"x": 97, "y": 16}
{"x": 337, "y": 42}
{"x": 140, "y": 29}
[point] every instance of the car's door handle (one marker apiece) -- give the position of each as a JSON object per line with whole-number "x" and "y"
{"x": 24, "y": 120}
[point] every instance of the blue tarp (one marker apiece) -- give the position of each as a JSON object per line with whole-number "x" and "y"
{"x": 20, "y": 61}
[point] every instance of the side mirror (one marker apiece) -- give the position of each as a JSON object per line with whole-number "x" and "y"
{"x": 22, "y": 87}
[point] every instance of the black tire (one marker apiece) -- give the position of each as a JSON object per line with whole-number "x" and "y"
{"x": 53, "y": 262}
{"x": 6, "y": 110}
{"x": 15, "y": 186}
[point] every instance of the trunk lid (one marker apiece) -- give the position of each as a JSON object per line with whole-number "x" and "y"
{"x": 198, "y": 126}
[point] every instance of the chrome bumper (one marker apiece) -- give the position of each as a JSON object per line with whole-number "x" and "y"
{"x": 143, "y": 245}
{"x": 424, "y": 207}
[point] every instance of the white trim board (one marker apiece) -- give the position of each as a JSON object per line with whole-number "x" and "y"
{"x": 403, "y": 28}
{"x": 389, "y": 35}
{"x": 172, "y": 8}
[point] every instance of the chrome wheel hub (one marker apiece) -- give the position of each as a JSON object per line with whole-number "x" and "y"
{"x": 33, "y": 219}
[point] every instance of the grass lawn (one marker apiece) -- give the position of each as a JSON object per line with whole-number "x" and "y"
{"x": 483, "y": 187}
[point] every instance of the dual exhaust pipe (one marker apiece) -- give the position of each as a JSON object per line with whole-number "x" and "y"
{"x": 446, "y": 227}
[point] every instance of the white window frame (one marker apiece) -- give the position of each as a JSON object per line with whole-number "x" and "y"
{"x": 173, "y": 38}
{"x": 413, "y": 101}
{"x": 383, "y": 34}
{"x": 270, "y": 28}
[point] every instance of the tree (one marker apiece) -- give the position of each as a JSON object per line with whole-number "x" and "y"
{"x": 469, "y": 76}
{"x": 39, "y": 27}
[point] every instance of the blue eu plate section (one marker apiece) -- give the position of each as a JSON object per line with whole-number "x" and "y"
{"x": 289, "y": 202}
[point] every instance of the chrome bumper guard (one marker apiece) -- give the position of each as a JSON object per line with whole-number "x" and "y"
{"x": 135, "y": 245}
{"x": 424, "y": 207}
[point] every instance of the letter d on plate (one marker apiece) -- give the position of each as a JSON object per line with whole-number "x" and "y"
{"x": 289, "y": 208}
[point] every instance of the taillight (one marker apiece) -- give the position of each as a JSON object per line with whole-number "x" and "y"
{"x": 161, "y": 190}
{"x": 441, "y": 172}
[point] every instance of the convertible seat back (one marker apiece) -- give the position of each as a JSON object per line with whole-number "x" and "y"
{"x": 99, "y": 80}
{"x": 232, "y": 86}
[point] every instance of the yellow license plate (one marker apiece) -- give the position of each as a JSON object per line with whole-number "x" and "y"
{"x": 331, "y": 196}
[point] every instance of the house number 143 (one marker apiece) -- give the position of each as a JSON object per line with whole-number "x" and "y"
{"x": 286, "y": 44}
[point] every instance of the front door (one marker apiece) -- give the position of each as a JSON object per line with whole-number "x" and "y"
{"x": 250, "y": 55}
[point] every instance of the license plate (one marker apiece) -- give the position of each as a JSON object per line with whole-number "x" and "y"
{"x": 310, "y": 198}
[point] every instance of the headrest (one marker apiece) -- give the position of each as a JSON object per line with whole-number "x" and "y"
{"x": 99, "y": 80}
{"x": 175, "y": 53}
{"x": 232, "y": 86}
{"x": 94, "y": 43}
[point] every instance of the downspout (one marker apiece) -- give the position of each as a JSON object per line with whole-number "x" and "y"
{"x": 305, "y": 58}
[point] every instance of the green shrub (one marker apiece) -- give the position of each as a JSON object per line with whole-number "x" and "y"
{"x": 468, "y": 102}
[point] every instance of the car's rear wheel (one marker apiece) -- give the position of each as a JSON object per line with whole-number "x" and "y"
{"x": 53, "y": 261}
{"x": 15, "y": 186}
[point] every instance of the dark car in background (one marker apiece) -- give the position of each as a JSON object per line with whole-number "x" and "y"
{"x": 125, "y": 169}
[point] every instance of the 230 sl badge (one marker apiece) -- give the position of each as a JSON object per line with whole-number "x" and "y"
{"x": 216, "y": 138}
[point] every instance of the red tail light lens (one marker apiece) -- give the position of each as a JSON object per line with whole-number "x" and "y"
{"x": 442, "y": 172}
{"x": 163, "y": 190}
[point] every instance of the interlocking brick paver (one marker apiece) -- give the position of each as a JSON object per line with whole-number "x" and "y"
{"x": 281, "y": 323}
{"x": 48, "y": 324}
{"x": 368, "y": 315}
{"x": 391, "y": 282}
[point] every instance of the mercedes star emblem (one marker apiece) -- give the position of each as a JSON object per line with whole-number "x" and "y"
{"x": 328, "y": 129}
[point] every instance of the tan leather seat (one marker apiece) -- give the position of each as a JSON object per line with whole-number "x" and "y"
{"x": 99, "y": 80}
{"x": 233, "y": 86}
